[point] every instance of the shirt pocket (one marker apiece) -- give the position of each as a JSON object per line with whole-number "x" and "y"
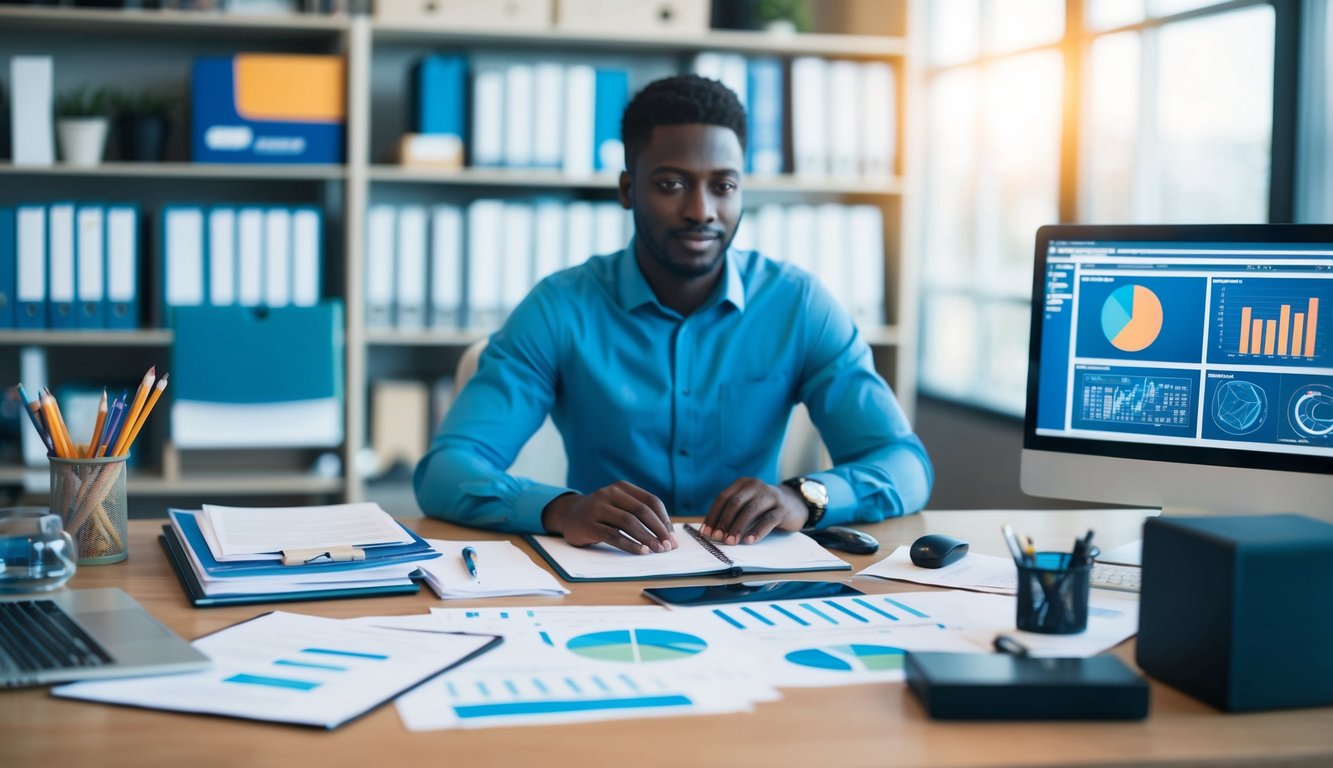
{"x": 752, "y": 415}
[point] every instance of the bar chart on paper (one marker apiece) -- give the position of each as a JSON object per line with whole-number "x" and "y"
{"x": 877, "y": 611}
{"x": 1271, "y": 321}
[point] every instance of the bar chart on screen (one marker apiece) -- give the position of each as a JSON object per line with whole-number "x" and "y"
{"x": 1272, "y": 321}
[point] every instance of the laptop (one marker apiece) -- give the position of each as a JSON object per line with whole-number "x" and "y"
{"x": 86, "y": 634}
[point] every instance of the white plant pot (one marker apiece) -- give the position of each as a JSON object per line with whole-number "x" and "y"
{"x": 82, "y": 139}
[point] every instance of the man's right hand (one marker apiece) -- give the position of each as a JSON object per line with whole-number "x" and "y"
{"x": 621, "y": 514}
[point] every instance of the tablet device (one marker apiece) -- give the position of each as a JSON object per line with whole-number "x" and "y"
{"x": 748, "y": 592}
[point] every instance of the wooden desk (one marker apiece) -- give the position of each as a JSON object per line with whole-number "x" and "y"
{"x": 877, "y": 725}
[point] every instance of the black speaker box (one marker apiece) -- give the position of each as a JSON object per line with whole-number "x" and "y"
{"x": 1238, "y": 611}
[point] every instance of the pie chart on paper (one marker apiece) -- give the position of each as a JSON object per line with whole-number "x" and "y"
{"x": 1131, "y": 318}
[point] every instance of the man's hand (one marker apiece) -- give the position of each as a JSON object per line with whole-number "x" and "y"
{"x": 750, "y": 509}
{"x": 621, "y": 514}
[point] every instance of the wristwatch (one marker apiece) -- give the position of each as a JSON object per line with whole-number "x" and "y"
{"x": 815, "y": 496}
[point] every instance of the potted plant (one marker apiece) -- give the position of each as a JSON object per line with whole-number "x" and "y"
{"x": 781, "y": 16}
{"x": 81, "y": 125}
{"x": 142, "y": 122}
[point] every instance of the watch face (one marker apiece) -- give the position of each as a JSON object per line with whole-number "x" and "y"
{"x": 814, "y": 492}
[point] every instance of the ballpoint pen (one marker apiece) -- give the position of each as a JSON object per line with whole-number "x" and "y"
{"x": 470, "y": 560}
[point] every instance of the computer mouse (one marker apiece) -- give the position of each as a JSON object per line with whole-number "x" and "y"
{"x": 936, "y": 550}
{"x": 847, "y": 539}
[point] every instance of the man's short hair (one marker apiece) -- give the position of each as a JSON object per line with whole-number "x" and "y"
{"x": 679, "y": 100}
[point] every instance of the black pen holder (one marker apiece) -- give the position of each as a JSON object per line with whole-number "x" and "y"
{"x": 1053, "y": 594}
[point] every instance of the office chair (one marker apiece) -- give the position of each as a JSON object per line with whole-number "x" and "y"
{"x": 543, "y": 458}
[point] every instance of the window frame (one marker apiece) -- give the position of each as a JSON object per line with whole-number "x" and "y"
{"x": 1075, "y": 47}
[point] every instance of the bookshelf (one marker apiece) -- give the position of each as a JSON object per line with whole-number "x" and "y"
{"x": 155, "y": 49}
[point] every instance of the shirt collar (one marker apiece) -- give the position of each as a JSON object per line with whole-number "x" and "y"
{"x": 635, "y": 291}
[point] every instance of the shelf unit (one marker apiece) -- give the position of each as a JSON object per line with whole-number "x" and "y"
{"x": 155, "y": 47}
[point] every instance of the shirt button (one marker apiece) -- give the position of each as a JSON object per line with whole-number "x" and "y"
{"x": 683, "y": 452}
{"x": 685, "y": 392}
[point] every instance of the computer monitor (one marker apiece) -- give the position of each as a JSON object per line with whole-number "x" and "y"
{"x": 1183, "y": 367}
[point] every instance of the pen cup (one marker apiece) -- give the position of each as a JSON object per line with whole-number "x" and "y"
{"x": 1053, "y": 594}
{"x": 89, "y": 496}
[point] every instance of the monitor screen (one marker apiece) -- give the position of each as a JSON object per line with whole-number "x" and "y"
{"x": 1186, "y": 367}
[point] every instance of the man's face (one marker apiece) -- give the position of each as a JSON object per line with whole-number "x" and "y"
{"x": 685, "y": 192}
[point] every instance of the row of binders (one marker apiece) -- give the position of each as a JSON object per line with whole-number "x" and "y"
{"x": 842, "y": 245}
{"x": 252, "y": 256}
{"x": 840, "y": 115}
{"x": 69, "y": 265}
{"x": 517, "y": 115}
{"x": 449, "y": 266}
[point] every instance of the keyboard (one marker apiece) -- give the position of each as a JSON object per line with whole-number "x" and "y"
{"x": 1125, "y": 578}
{"x": 37, "y": 635}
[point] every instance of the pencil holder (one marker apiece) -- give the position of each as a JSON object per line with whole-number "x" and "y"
{"x": 1053, "y": 594}
{"x": 89, "y": 496}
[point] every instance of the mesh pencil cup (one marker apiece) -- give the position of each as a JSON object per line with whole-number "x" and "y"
{"x": 1053, "y": 594}
{"x": 89, "y": 496}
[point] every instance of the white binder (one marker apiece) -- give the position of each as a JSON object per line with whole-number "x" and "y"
{"x": 250, "y": 257}
{"x": 516, "y": 277}
{"x": 184, "y": 256}
{"x": 307, "y": 249}
{"x": 380, "y": 226}
{"x": 31, "y": 109}
{"x": 60, "y": 263}
{"x": 90, "y": 258}
{"x": 222, "y": 256}
{"x": 446, "y": 266}
{"x": 410, "y": 269}
{"x": 277, "y": 257}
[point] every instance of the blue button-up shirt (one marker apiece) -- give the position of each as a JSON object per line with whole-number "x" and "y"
{"x": 681, "y": 406}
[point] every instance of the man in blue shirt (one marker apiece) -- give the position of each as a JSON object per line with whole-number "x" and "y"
{"x": 671, "y": 368}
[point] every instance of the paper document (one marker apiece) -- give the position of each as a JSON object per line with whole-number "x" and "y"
{"x": 583, "y": 666}
{"x": 981, "y": 573}
{"x": 247, "y": 532}
{"x": 776, "y": 553}
{"x": 291, "y": 668}
{"x": 502, "y": 570}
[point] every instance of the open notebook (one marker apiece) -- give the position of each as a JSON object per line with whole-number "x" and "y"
{"x": 779, "y": 552}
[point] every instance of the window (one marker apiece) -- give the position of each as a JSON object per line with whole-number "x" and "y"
{"x": 1098, "y": 111}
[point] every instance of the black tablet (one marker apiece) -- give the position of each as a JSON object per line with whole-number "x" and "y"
{"x": 748, "y": 592}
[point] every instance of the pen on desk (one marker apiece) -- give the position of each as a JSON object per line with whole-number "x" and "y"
{"x": 470, "y": 560}
{"x": 1011, "y": 541}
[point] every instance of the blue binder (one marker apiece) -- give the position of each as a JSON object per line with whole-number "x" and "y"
{"x": 8, "y": 266}
{"x": 439, "y": 93}
{"x": 763, "y": 152}
{"x": 612, "y": 95}
{"x": 249, "y": 377}
{"x": 30, "y": 276}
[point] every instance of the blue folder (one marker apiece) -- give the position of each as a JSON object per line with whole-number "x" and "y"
{"x": 388, "y": 554}
{"x": 255, "y": 377}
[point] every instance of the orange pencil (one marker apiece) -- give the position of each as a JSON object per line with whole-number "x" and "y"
{"x": 97, "y": 426}
{"x": 53, "y": 424}
{"x": 147, "y": 409}
{"x": 133, "y": 414}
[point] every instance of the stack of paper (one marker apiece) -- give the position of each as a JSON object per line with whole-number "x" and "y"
{"x": 502, "y": 570}
{"x": 235, "y": 555}
{"x": 290, "y": 668}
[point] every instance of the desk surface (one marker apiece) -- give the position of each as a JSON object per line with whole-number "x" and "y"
{"x": 879, "y": 724}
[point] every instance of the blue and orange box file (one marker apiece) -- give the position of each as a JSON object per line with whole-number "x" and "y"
{"x": 268, "y": 108}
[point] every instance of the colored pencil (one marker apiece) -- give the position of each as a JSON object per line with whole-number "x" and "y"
{"x": 133, "y": 415}
{"x": 97, "y": 427}
{"x": 143, "y": 416}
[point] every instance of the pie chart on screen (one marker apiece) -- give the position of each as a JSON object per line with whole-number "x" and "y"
{"x": 1131, "y": 318}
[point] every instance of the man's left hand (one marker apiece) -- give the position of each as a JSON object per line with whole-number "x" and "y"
{"x": 750, "y": 509}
